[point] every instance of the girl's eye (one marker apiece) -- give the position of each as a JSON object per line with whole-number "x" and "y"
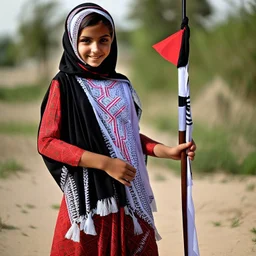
{"x": 85, "y": 40}
{"x": 104, "y": 40}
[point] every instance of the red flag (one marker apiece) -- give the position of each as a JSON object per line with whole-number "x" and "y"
{"x": 170, "y": 47}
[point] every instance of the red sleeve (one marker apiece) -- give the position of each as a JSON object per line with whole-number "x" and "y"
{"x": 147, "y": 145}
{"x": 49, "y": 143}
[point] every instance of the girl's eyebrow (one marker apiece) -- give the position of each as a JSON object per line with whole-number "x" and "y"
{"x": 92, "y": 38}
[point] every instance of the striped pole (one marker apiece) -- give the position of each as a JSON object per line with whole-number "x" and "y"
{"x": 175, "y": 49}
{"x": 182, "y": 139}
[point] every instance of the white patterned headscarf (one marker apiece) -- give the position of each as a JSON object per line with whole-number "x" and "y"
{"x": 74, "y": 22}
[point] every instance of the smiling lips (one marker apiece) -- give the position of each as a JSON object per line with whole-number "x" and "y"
{"x": 95, "y": 57}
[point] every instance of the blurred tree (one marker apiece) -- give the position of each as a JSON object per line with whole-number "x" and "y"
{"x": 39, "y": 31}
{"x": 8, "y": 53}
{"x": 157, "y": 19}
{"x": 229, "y": 50}
{"x": 240, "y": 50}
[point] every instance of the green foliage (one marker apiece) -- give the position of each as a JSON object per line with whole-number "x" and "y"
{"x": 253, "y": 230}
{"x": 55, "y": 206}
{"x": 30, "y": 206}
{"x": 214, "y": 152}
{"x": 13, "y": 128}
{"x": 250, "y": 187}
{"x": 228, "y": 50}
{"x": 162, "y": 16}
{"x": 123, "y": 37}
{"x": 9, "y": 51}
{"x": 159, "y": 177}
{"x": 9, "y": 167}
{"x": 164, "y": 123}
{"x": 39, "y": 30}
{"x": 235, "y": 222}
{"x": 217, "y": 157}
{"x": 6, "y": 226}
{"x": 249, "y": 164}
{"x": 216, "y": 223}
{"x": 22, "y": 93}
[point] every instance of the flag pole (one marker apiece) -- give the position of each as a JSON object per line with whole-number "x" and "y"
{"x": 182, "y": 139}
{"x": 184, "y": 8}
{"x": 175, "y": 49}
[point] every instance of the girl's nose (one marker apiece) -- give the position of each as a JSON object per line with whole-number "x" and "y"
{"x": 95, "y": 47}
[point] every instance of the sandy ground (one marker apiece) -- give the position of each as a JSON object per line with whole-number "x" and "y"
{"x": 26, "y": 202}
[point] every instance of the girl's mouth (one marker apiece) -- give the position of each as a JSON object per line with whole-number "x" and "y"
{"x": 95, "y": 57}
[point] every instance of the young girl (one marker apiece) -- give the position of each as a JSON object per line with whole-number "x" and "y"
{"x": 90, "y": 142}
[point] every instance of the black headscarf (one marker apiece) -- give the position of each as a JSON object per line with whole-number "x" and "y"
{"x": 72, "y": 65}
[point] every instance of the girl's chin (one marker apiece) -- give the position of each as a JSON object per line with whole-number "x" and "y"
{"x": 94, "y": 64}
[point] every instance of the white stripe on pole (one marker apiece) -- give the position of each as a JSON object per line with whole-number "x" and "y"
{"x": 182, "y": 119}
{"x": 184, "y": 91}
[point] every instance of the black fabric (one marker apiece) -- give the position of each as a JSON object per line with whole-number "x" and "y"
{"x": 79, "y": 125}
{"x": 184, "y": 50}
{"x": 80, "y": 128}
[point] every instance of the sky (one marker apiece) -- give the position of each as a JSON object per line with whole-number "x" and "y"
{"x": 11, "y": 9}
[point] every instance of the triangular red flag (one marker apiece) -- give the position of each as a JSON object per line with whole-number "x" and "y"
{"x": 169, "y": 48}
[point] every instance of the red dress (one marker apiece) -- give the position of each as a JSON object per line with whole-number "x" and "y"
{"x": 115, "y": 232}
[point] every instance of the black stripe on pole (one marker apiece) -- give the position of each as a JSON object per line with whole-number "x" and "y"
{"x": 182, "y": 101}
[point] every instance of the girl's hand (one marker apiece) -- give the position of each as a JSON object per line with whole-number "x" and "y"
{"x": 175, "y": 152}
{"x": 163, "y": 151}
{"x": 120, "y": 170}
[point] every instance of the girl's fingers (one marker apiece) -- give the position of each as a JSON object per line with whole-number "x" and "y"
{"x": 193, "y": 147}
{"x": 125, "y": 182}
{"x": 191, "y": 155}
{"x": 130, "y": 174}
{"x": 131, "y": 168}
{"x": 184, "y": 146}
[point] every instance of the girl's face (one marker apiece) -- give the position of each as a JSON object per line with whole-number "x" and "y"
{"x": 94, "y": 44}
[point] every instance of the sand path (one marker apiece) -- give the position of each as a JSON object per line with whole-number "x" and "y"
{"x": 26, "y": 201}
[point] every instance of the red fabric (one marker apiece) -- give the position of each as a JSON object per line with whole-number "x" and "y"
{"x": 169, "y": 48}
{"x": 115, "y": 237}
{"x": 49, "y": 143}
{"x": 147, "y": 145}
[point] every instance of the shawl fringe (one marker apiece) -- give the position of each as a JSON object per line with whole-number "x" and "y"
{"x": 104, "y": 208}
{"x": 73, "y": 233}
